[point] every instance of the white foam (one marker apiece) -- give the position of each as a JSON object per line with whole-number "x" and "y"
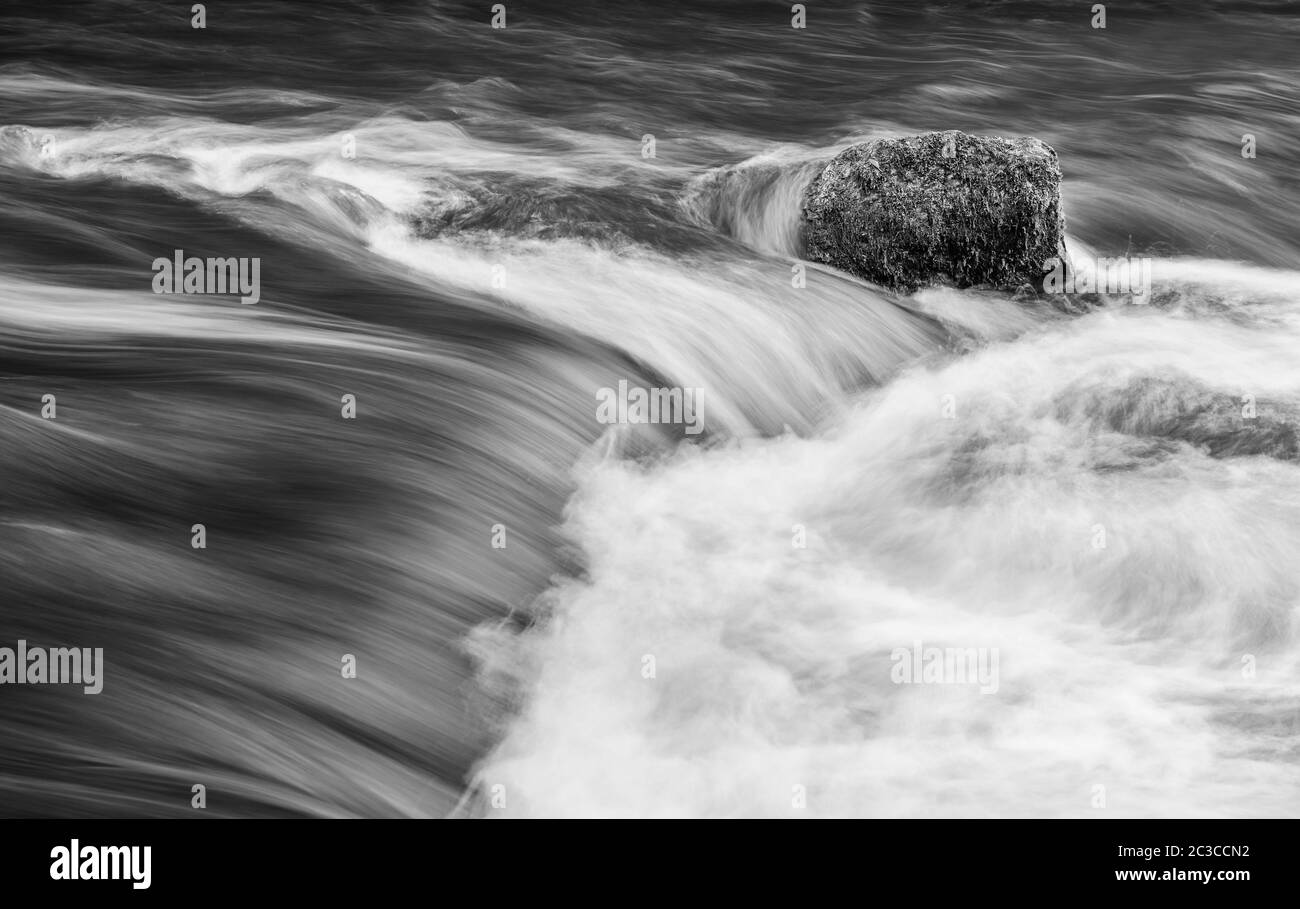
{"x": 1120, "y": 667}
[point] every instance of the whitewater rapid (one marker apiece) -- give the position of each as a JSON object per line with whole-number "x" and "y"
{"x": 1086, "y": 496}
{"x": 1160, "y": 666}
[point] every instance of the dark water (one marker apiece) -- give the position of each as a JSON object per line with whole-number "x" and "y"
{"x": 126, "y": 134}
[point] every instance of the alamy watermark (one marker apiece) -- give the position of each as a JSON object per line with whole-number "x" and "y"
{"x": 651, "y": 405}
{"x": 179, "y": 275}
{"x": 75, "y": 862}
{"x": 1117, "y": 275}
{"x": 919, "y": 665}
{"x": 53, "y": 666}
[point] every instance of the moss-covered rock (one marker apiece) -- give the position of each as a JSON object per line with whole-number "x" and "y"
{"x": 939, "y": 208}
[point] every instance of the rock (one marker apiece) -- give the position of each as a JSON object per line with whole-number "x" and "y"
{"x": 1176, "y": 407}
{"x": 938, "y": 208}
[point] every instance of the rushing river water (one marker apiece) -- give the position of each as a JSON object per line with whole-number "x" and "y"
{"x": 461, "y": 226}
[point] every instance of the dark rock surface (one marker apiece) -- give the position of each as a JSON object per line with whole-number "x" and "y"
{"x": 939, "y": 208}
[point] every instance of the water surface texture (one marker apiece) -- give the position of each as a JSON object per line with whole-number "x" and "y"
{"x": 1108, "y": 501}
